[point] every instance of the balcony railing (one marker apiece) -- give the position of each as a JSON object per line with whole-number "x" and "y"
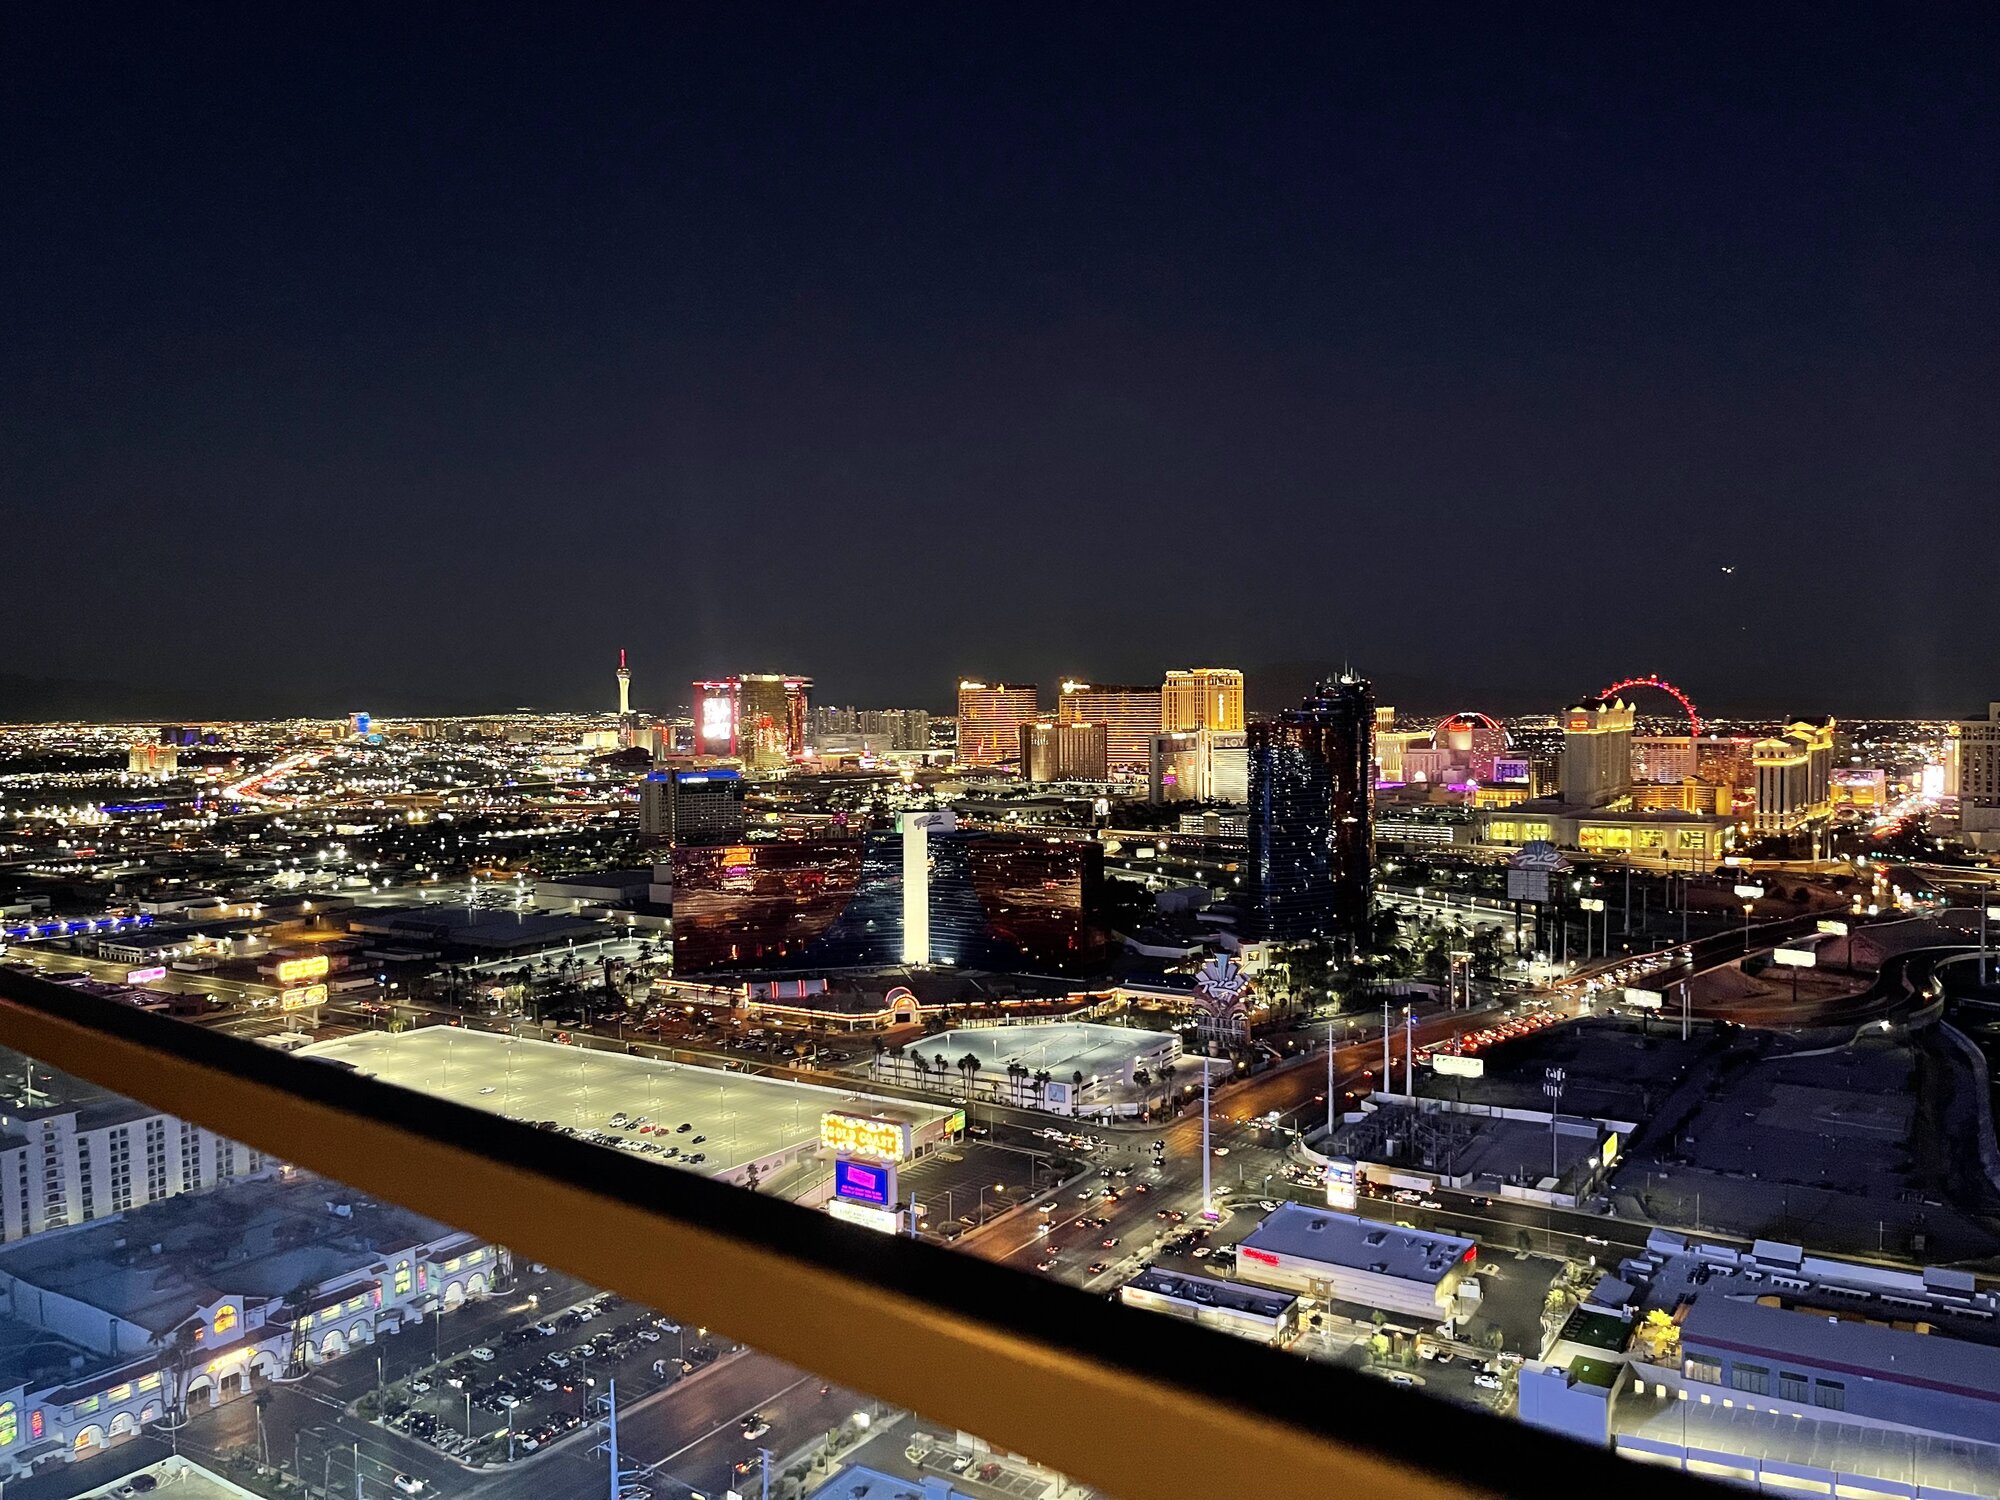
{"x": 1140, "y": 1406}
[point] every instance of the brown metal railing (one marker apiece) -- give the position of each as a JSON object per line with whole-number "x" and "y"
{"x": 1140, "y": 1406}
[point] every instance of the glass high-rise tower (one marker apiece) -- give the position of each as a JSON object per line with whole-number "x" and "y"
{"x": 1311, "y": 800}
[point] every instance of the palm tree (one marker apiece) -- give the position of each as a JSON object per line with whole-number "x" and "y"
{"x": 1042, "y": 1082}
{"x": 297, "y": 1302}
{"x": 969, "y": 1066}
{"x": 183, "y": 1349}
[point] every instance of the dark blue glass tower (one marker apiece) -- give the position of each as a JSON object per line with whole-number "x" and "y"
{"x": 1311, "y": 800}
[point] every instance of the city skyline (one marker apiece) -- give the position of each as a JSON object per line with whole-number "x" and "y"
{"x": 28, "y": 699}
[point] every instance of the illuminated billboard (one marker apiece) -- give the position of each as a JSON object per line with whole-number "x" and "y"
{"x": 1342, "y": 1184}
{"x": 1451, "y": 1065}
{"x": 299, "y": 999}
{"x": 864, "y": 1136}
{"x": 865, "y": 1182}
{"x": 145, "y": 976}
{"x": 715, "y": 718}
{"x": 881, "y": 1220}
{"x": 293, "y": 970}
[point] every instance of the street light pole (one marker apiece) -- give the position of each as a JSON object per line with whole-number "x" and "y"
{"x": 1207, "y": 1196}
{"x": 1329, "y": 1075}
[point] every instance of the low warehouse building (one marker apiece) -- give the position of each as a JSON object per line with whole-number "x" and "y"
{"x": 1248, "y": 1312}
{"x": 1341, "y": 1258}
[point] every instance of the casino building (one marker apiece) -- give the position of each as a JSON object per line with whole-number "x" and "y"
{"x": 986, "y": 900}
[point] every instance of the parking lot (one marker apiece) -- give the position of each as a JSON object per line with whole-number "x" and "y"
{"x": 965, "y": 1185}
{"x": 533, "y": 1384}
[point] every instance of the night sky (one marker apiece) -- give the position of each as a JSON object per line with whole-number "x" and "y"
{"x": 351, "y": 358}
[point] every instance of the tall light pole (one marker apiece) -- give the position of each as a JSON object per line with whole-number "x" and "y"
{"x": 1553, "y": 1080}
{"x": 1329, "y": 1073}
{"x": 1207, "y": 1196}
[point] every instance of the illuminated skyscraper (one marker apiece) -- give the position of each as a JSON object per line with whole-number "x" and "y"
{"x": 1794, "y": 777}
{"x": 1311, "y": 806}
{"x": 1066, "y": 750}
{"x": 1130, "y": 716}
{"x": 758, "y": 718}
{"x": 1204, "y": 698}
{"x": 1597, "y": 752}
{"x": 1197, "y": 765}
{"x": 692, "y": 807}
{"x": 990, "y": 716}
{"x": 1977, "y": 743}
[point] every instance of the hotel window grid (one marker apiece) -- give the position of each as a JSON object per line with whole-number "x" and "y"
{"x": 156, "y": 1159}
{"x": 55, "y": 1202}
{"x": 121, "y": 1170}
{"x": 86, "y": 1188}
{"x": 190, "y": 1157}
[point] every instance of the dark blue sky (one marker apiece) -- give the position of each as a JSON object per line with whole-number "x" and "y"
{"x": 354, "y": 357}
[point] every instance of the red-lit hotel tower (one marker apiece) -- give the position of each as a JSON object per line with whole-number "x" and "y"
{"x": 990, "y": 716}
{"x": 758, "y": 718}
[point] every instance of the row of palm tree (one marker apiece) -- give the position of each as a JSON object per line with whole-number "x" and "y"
{"x": 1020, "y": 1078}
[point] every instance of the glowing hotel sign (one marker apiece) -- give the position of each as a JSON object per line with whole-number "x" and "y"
{"x": 297, "y": 970}
{"x": 864, "y": 1136}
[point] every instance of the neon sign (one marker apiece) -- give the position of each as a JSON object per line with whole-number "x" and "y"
{"x": 292, "y": 970}
{"x": 864, "y": 1136}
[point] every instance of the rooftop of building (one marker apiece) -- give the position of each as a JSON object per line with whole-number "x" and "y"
{"x": 1940, "y": 1465}
{"x": 1307, "y": 1233}
{"x": 1059, "y": 1047}
{"x": 156, "y": 1265}
{"x": 474, "y": 927}
{"x": 1596, "y": 1328}
{"x": 636, "y": 878}
{"x": 859, "y": 1482}
{"x": 35, "y": 1359}
{"x": 744, "y": 1117}
{"x": 55, "y": 1094}
{"x": 1232, "y": 1295}
{"x": 1812, "y": 1334}
{"x": 180, "y": 1477}
{"x": 1464, "y": 1144}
